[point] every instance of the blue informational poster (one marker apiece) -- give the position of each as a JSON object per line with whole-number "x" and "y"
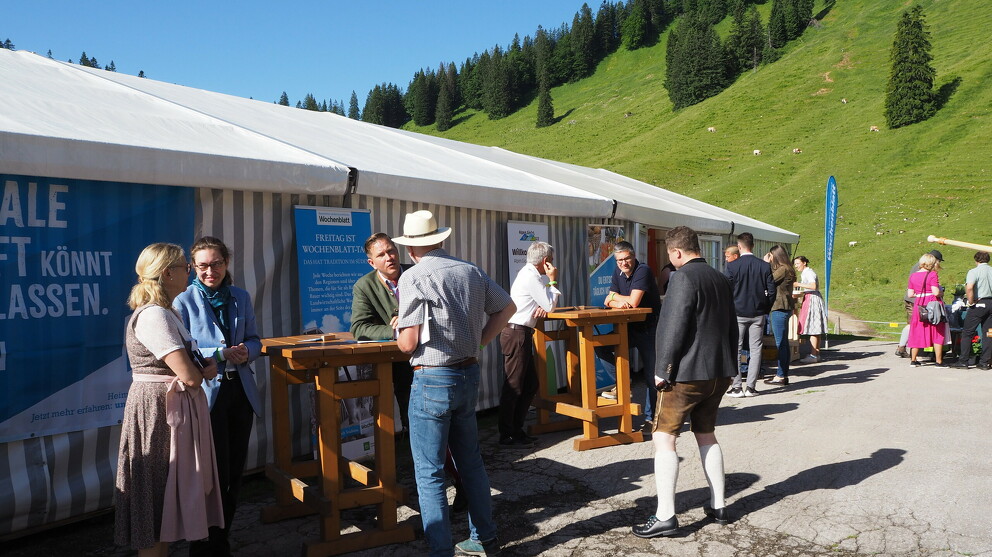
{"x": 329, "y": 252}
{"x": 67, "y": 254}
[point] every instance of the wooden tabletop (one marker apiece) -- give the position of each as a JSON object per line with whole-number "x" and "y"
{"x": 344, "y": 346}
{"x": 586, "y": 315}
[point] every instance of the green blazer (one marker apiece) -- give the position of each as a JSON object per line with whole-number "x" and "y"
{"x": 372, "y": 307}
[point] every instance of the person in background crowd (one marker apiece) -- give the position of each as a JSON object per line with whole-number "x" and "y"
{"x": 813, "y": 315}
{"x": 374, "y": 314}
{"x": 754, "y": 293}
{"x": 697, "y": 357}
{"x": 632, "y": 286}
{"x": 221, "y": 318}
{"x": 535, "y": 292}
{"x": 449, "y": 310}
{"x": 924, "y": 286}
{"x": 784, "y": 276}
{"x": 910, "y": 304}
{"x": 731, "y": 253}
{"x": 978, "y": 289}
{"x": 375, "y": 306}
{"x": 167, "y": 487}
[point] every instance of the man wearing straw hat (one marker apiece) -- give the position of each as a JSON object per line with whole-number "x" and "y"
{"x": 449, "y": 310}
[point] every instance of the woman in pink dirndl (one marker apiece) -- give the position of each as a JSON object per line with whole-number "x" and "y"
{"x": 167, "y": 484}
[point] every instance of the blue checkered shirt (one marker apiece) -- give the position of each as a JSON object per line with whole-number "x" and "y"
{"x": 459, "y": 298}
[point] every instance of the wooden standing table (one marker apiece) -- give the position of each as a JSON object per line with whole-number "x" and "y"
{"x": 306, "y": 359}
{"x": 580, "y": 402}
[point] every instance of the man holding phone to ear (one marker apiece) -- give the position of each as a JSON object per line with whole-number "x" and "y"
{"x": 535, "y": 293}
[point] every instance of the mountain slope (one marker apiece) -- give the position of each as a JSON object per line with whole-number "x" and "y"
{"x": 896, "y": 186}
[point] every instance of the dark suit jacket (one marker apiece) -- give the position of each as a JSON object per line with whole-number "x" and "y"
{"x": 696, "y": 338}
{"x": 372, "y": 307}
{"x": 754, "y": 288}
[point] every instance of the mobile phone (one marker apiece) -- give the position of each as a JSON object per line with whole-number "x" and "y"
{"x": 198, "y": 359}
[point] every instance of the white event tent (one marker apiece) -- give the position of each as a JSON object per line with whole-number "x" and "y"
{"x": 249, "y": 162}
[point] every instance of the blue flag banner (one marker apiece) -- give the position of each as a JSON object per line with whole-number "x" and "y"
{"x": 67, "y": 253}
{"x": 829, "y": 230}
{"x": 329, "y": 253}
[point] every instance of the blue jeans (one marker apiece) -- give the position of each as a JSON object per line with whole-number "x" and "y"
{"x": 780, "y": 329}
{"x": 442, "y": 415}
{"x": 643, "y": 340}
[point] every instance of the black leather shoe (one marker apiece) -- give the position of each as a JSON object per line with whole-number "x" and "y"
{"x": 720, "y": 516}
{"x": 655, "y": 528}
{"x": 776, "y": 380}
{"x": 960, "y": 365}
{"x": 985, "y": 367}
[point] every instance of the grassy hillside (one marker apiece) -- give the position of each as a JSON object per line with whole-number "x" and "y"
{"x": 896, "y": 186}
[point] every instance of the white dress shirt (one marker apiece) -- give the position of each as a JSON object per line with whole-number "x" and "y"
{"x": 529, "y": 291}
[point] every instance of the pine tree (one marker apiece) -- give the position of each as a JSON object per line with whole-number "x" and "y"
{"x": 607, "y": 29}
{"x": 545, "y": 106}
{"x": 111, "y": 68}
{"x": 495, "y": 86}
{"x": 93, "y": 62}
{"x": 745, "y": 42}
{"x": 634, "y": 32}
{"x": 443, "y": 113}
{"x": 310, "y": 103}
{"x": 791, "y": 17}
{"x": 583, "y": 43}
{"x": 353, "y": 107}
{"x": 696, "y": 66}
{"x": 909, "y": 96}
{"x": 284, "y": 99}
{"x": 470, "y": 82}
{"x": 778, "y": 32}
{"x": 83, "y": 59}
{"x": 10, "y": 46}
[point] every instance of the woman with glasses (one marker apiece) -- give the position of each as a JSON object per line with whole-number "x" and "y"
{"x": 221, "y": 318}
{"x": 167, "y": 485}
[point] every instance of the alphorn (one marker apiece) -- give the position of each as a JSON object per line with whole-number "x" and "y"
{"x": 968, "y": 245}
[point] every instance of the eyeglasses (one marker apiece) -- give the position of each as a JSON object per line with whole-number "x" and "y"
{"x": 216, "y": 266}
{"x": 627, "y": 259}
{"x": 180, "y": 265}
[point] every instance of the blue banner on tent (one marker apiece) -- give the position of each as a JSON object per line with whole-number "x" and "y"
{"x": 830, "y": 228}
{"x": 67, "y": 253}
{"x": 331, "y": 260}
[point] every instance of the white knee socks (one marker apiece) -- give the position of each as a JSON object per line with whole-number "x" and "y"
{"x": 712, "y": 460}
{"x": 666, "y": 475}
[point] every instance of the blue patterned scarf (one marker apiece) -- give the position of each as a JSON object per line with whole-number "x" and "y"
{"x": 218, "y": 300}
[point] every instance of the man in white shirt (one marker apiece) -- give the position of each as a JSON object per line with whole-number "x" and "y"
{"x": 978, "y": 289}
{"x": 534, "y": 293}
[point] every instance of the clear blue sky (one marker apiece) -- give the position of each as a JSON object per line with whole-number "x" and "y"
{"x": 259, "y": 49}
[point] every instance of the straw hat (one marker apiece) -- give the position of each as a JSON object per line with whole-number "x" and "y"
{"x": 420, "y": 229}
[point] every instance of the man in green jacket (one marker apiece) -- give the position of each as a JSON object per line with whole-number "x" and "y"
{"x": 374, "y": 309}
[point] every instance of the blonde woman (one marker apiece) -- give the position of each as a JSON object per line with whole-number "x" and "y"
{"x": 924, "y": 287}
{"x": 167, "y": 481}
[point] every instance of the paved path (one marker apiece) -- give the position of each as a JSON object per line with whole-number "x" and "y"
{"x": 861, "y": 455}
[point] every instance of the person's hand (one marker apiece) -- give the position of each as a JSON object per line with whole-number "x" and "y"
{"x": 237, "y": 355}
{"x": 394, "y": 321}
{"x": 539, "y": 313}
{"x": 550, "y": 270}
{"x": 210, "y": 370}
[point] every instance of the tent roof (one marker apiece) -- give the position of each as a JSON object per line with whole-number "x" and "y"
{"x": 65, "y": 120}
{"x": 62, "y": 122}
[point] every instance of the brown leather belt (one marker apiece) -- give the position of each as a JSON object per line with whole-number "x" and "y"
{"x": 461, "y": 364}
{"x": 519, "y": 327}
